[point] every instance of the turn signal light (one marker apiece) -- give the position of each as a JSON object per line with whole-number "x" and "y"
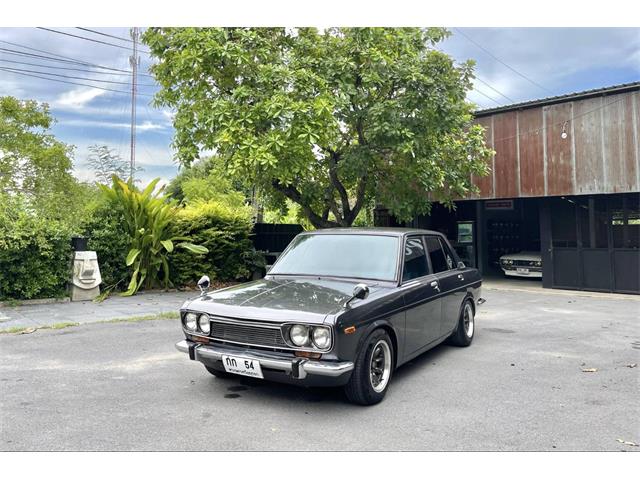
{"x": 313, "y": 355}
{"x": 198, "y": 338}
{"x": 350, "y": 329}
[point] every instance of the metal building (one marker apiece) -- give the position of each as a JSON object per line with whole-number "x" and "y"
{"x": 564, "y": 181}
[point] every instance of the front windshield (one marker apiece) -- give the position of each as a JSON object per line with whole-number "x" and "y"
{"x": 343, "y": 255}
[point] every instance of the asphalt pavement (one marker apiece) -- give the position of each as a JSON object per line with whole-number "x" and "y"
{"x": 526, "y": 383}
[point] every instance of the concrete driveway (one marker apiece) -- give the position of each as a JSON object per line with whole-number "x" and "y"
{"x": 524, "y": 384}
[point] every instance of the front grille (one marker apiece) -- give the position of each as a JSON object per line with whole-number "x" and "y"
{"x": 524, "y": 263}
{"x": 247, "y": 334}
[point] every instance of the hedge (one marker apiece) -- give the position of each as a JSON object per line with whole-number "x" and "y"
{"x": 225, "y": 232}
{"x": 35, "y": 257}
{"x": 107, "y": 235}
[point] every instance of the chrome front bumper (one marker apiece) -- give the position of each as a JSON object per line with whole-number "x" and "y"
{"x": 298, "y": 368}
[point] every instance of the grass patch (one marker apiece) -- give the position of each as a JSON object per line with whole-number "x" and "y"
{"x": 61, "y": 325}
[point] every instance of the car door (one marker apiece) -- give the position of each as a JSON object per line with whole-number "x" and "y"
{"x": 421, "y": 297}
{"x": 451, "y": 281}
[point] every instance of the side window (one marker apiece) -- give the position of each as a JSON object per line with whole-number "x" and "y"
{"x": 451, "y": 263}
{"x": 415, "y": 260}
{"x": 439, "y": 260}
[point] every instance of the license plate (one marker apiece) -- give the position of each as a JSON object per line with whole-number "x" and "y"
{"x": 242, "y": 366}
{"x": 523, "y": 270}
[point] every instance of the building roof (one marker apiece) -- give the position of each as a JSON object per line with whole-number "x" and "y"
{"x": 596, "y": 92}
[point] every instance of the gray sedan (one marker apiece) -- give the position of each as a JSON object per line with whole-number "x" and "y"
{"x": 340, "y": 307}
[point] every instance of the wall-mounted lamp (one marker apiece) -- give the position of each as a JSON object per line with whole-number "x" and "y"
{"x": 564, "y": 130}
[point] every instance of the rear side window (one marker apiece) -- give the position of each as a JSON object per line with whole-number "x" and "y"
{"x": 415, "y": 260}
{"x": 439, "y": 260}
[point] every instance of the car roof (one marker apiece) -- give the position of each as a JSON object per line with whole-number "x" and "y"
{"x": 391, "y": 231}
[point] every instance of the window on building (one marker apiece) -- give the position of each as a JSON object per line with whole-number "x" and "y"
{"x": 437, "y": 255}
{"x": 415, "y": 260}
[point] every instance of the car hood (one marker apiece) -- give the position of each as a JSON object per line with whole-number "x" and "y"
{"x": 308, "y": 300}
{"x": 534, "y": 256}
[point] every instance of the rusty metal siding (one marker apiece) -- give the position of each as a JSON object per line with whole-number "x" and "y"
{"x": 559, "y": 154}
{"x": 506, "y": 162}
{"x": 601, "y": 153}
{"x": 619, "y": 148}
{"x": 485, "y": 184}
{"x": 587, "y": 128}
{"x": 531, "y": 152}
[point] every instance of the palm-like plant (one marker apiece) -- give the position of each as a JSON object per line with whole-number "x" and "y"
{"x": 148, "y": 216}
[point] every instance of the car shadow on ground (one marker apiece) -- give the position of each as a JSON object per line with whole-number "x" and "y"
{"x": 236, "y": 388}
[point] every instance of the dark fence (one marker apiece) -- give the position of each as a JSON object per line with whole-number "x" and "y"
{"x": 274, "y": 237}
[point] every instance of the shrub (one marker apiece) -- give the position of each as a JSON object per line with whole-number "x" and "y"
{"x": 149, "y": 217}
{"x": 224, "y": 231}
{"x": 35, "y": 256}
{"x": 107, "y": 234}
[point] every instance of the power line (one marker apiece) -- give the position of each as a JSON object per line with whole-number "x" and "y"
{"x": 86, "y": 38}
{"x": 105, "y": 34}
{"x": 62, "y": 58}
{"x": 494, "y": 89}
{"x": 485, "y": 95}
{"x": 503, "y": 63}
{"x": 84, "y": 70}
{"x": 13, "y": 69}
{"x": 71, "y": 83}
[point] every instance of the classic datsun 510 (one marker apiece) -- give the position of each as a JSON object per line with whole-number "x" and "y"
{"x": 340, "y": 307}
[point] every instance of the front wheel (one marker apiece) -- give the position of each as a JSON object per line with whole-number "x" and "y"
{"x": 372, "y": 371}
{"x": 463, "y": 336}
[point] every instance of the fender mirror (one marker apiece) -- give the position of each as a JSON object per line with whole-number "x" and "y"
{"x": 360, "y": 291}
{"x": 204, "y": 284}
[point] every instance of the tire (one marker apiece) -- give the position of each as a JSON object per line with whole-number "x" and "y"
{"x": 463, "y": 335}
{"x": 219, "y": 373}
{"x": 361, "y": 389}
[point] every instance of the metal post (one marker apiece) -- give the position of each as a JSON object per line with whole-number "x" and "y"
{"x": 134, "y": 61}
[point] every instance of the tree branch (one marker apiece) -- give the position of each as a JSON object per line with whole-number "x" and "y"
{"x": 293, "y": 194}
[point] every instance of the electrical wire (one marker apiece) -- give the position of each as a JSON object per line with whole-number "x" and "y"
{"x": 62, "y": 58}
{"x": 72, "y": 83}
{"x": 90, "y": 39}
{"x": 105, "y": 34}
{"x": 13, "y": 69}
{"x": 485, "y": 95}
{"x": 494, "y": 89}
{"x": 502, "y": 62}
{"x": 84, "y": 70}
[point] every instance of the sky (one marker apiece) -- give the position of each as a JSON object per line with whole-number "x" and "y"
{"x": 512, "y": 65}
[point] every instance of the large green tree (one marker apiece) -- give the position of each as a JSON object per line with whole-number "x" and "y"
{"x": 34, "y": 165}
{"x": 332, "y": 120}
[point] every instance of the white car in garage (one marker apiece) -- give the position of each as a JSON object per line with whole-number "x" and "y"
{"x": 523, "y": 264}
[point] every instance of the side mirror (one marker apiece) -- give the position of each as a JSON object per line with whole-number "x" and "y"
{"x": 461, "y": 266}
{"x": 360, "y": 291}
{"x": 203, "y": 284}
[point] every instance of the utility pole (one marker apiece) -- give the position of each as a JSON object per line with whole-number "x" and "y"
{"x": 134, "y": 61}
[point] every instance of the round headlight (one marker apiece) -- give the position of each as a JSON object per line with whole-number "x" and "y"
{"x": 190, "y": 321}
{"x": 321, "y": 337}
{"x": 299, "y": 335}
{"x": 203, "y": 323}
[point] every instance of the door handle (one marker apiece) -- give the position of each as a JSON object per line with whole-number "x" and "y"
{"x": 435, "y": 285}
{"x": 460, "y": 276}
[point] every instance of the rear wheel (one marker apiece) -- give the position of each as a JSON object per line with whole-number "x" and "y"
{"x": 218, "y": 373}
{"x": 372, "y": 371}
{"x": 463, "y": 336}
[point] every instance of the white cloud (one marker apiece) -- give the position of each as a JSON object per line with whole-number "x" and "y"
{"x": 144, "y": 126}
{"x": 78, "y": 97}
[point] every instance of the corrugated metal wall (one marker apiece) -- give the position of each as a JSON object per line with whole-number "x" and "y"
{"x": 600, "y": 153}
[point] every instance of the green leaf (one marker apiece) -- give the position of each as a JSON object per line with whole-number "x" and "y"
{"x": 168, "y": 245}
{"x": 198, "y": 249}
{"x": 131, "y": 257}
